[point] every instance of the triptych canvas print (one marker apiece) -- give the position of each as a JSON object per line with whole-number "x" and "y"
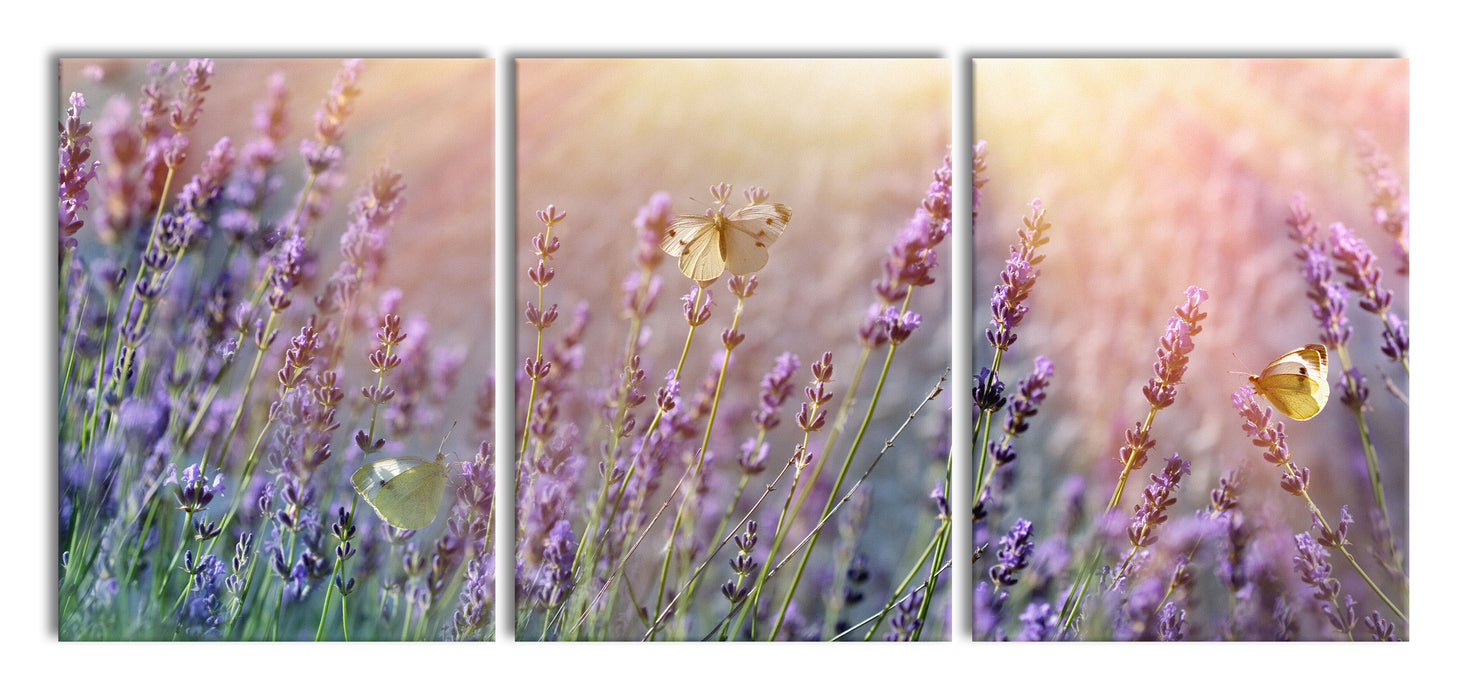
{"x": 1120, "y": 354}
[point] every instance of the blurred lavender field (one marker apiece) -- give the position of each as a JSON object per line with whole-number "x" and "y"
{"x": 254, "y": 229}
{"x": 850, "y": 146}
{"x": 1158, "y": 175}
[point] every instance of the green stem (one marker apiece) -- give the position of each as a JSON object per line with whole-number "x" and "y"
{"x": 697, "y": 466}
{"x": 836, "y": 488}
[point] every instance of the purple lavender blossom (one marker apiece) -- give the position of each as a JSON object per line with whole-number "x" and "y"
{"x": 1014, "y": 554}
{"x": 558, "y": 554}
{"x": 988, "y": 391}
{"x": 812, "y": 417}
{"x": 1295, "y": 478}
{"x": 1172, "y": 623}
{"x": 872, "y": 333}
{"x": 653, "y": 219}
{"x": 905, "y": 621}
{"x": 1312, "y": 563}
{"x": 1358, "y": 264}
{"x": 1353, "y": 389}
{"x": 362, "y": 245}
{"x": 1157, "y": 497}
{"x": 1328, "y": 298}
{"x": 188, "y": 104}
{"x": 911, "y": 258}
{"x": 989, "y": 610}
{"x": 195, "y": 491}
{"x": 75, "y": 172}
{"x": 1395, "y": 335}
{"x": 696, "y": 316}
{"x": 1040, "y": 622}
{"x": 1174, "y": 346}
{"x": 744, "y": 565}
{"x": 1018, "y": 280}
{"x": 1025, "y": 403}
{"x": 1381, "y": 630}
{"x": 939, "y": 497}
{"x": 775, "y": 388}
{"x": 199, "y": 617}
{"x": 1388, "y": 201}
{"x": 899, "y": 327}
{"x": 476, "y": 608}
{"x": 980, "y": 163}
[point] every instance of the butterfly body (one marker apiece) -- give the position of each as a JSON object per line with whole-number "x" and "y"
{"x": 707, "y": 244}
{"x": 405, "y": 491}
{"x": 1297, "y": 382}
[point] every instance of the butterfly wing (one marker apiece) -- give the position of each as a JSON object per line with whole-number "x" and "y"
{"x": 405, "y": 491}
{"x": 749, "y": 233}
{"x": 1297, "y": 382}
{"x": 695, "y": 240}
{"x": 685, "y": 228}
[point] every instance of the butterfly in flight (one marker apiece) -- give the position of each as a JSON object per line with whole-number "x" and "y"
{"x": 708, "y": 243}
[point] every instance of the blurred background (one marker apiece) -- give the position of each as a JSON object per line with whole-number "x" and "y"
{"x": 1158, "y": 174}
{"x": 849, "y": 145}
{"x": 431, "y": 120}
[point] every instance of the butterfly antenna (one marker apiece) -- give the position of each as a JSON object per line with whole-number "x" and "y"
{"x": 446, "y": 437}
{"x": 1241, "y": 362}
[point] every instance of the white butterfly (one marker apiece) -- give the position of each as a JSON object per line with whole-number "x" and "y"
{"x": 1297, "y": 382}
{"x": 405, "y": 491}
{"x": 705, "y": 244}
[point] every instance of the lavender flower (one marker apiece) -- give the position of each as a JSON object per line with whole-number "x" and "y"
{"x": 1358, "y": 264}
{"x": 1039, "y": 621}
{"x": 199, "y": 618}
{"x": 1172, "y": 623}
{"x": 812, "y": 417}
{"x": 694, "y": 314}
{"x": 1314, "y": 568}
{"x": 1025, "y": 403}
{"x": 1381, "y": 630}
{"x": 1327, "y": 296}
{"x": 75, "y": 170}
{"x": 743, "y": 564}
{"x": 988, "y": 391}
{"x": 905, "y": 622}
{"x": 1157, "y": 497}
{"x": 183, "y": 114}
{"x": 558, "y": 554}
{"x": 653, "y": 220}
{"x": 1296, "y": 479}
{"x": 1388, "y": 200}
{"x": 980, "y": 163}
{"x": 911, "y": 257}
{"x": 1395, "y": 335}
{"x": 1014, "y": 554}
{"x": 1018, "y": 280}
{"x": 899, "y": 327}
{"x": 775, "y": 388}
{"x": 194, "y": 490}
{"x": 1175, "y": 344}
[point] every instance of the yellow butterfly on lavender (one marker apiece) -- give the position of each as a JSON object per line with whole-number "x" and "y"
{"x": 707, "y": 244}
{"x": 1297, "y": 382}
